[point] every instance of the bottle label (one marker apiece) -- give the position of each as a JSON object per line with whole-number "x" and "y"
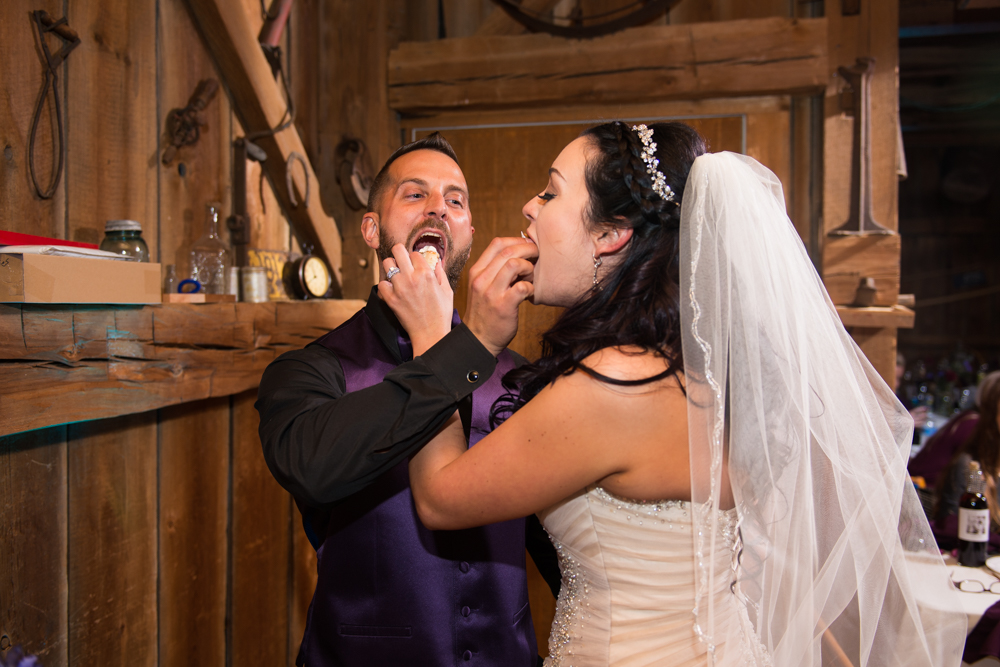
{"x": 973, "y": 525}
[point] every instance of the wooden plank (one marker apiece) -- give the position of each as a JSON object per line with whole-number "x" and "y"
{"x": 847, "y": 259}
{"x": 462, "y": 18}
{"x": 201, "y": 173}
{"x": 33, "y": 584}
{"x": 259, "y": 106}
{"x": 261, "y": 512}
{"x": 304, "y": 577}
{"x": 121, "y": 361}
{"x": 354, "y": 103}
{"x": 698, "y": 111}
{"x": 304, "y": 25}
{"x": 692, "y": 11}
{"x": 12, "y": 343}
{"x": 500, "y": 23}
{"x": 771, "y": 144}
{"x": 883, "y": 45}
{"x": 112, "y": 541}
{"x": 879, "y": 345}
{"x": 876, "y": 317}
{"x": 21, "y": 71}
{"x": 111, "y": 119}
{"x": 732, "y": 58}
{"x": 873, "y": 32}
{"x": 193, "y": 549}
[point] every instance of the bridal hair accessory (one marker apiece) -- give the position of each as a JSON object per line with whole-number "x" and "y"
{"x": 597, "y": 264}
{"x": 660, "y": 186}
{"x": 391, "y": 273}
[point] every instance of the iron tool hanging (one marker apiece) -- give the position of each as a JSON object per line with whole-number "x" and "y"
{"x": 44, "y": 24}
{"x": 642, "y": 11}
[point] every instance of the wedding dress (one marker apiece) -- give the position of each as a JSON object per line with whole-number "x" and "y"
{"x": 811, "y": 567}
{"x": 628, "y": 581}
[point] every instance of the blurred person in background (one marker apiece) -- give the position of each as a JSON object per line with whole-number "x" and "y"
{"x": 938, "y": 452}
{"x": 973, "y": 435}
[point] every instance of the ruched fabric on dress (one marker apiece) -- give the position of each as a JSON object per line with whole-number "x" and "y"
{"x": 628, "y": 582}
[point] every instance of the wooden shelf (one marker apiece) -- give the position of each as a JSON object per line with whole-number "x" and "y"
{"x": 68, "y": 363}
{"x": 877, "y": 317}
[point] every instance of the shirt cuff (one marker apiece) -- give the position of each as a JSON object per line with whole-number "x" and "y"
{"x": 460, "y": 361}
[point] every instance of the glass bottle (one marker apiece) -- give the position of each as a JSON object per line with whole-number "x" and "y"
{"x": 210, "y": 255}
{"x": 973, "y": 520}
{"x": 170, "y": 279}
{"x": 124, "y": 237}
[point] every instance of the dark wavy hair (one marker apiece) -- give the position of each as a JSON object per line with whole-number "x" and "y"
{"x": 638, "y": 302}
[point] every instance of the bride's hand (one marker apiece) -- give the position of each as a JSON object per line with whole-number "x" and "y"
{"x": 421, "y": 298}
{"x": 498, "y": 282}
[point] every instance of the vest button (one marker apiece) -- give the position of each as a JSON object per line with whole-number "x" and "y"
{"x": 466, "y": 611}
{"x": 463, "y": 566}
{"x": 473, "y": 376}
{"x": 467, "y": 656}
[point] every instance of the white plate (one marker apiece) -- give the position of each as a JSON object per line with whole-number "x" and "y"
{"x": 994, "y": 564}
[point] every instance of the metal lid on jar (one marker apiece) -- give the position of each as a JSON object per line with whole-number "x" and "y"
{"x": 122, "y": 226}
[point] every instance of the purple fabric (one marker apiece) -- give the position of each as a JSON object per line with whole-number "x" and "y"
{"x": 984, "y": 640}
{"x": 931, "y": 461}
{"x": 391, "y": 592}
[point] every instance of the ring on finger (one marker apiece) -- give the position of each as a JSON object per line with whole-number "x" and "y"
{"x": 391, "y": 273}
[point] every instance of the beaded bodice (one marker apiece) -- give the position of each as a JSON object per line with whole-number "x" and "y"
{"x": 628, "y": 581}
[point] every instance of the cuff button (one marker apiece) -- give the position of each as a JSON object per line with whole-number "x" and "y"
{"x": 473, "y": 376}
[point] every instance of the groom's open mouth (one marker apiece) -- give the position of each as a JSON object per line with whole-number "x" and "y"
{"x": 432, "y": 238}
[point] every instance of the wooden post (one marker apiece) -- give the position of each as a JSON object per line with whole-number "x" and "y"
{"x": 726, "y": 59}
{"x": 260, "y": 107}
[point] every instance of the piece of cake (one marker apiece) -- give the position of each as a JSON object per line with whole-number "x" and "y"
{"x": 430, "y": 254}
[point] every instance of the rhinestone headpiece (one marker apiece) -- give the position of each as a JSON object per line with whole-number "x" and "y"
{"x": 660, "y": 186}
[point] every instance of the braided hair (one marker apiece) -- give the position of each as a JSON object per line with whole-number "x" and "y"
{"x": 638, "y": 302}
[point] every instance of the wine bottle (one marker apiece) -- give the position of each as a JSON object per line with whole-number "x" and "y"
{"x": 973, "y": 520}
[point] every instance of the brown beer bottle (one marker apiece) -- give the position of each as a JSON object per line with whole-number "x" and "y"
{"x": 973, "y": 520}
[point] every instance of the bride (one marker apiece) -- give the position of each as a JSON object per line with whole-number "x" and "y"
{"x": 720, "y": 468}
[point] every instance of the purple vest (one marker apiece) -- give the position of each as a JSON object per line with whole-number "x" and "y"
{"x": 391, "y": 592}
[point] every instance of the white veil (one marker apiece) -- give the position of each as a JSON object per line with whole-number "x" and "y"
{"x": 813, "y": 442}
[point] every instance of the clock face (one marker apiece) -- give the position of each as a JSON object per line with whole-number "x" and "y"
{"x": 315, "y": 276}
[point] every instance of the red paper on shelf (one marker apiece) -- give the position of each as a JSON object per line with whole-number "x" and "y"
{"x": 15, "y": 238}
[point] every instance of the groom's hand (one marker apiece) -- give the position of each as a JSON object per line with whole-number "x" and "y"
{"x": 498, "y": 282}
{"x": 420, "y": 297}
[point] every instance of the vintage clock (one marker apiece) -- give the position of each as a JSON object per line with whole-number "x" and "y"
{"x": 309, "y": 277}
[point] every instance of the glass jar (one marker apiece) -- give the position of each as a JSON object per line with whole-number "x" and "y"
{"x": 124, "y": 237}
{"x": 210, "y": 255}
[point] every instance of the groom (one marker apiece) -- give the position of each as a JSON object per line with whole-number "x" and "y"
{"x": 339, "y": 420}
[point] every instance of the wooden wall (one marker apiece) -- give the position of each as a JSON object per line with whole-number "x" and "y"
{"x": 159, "y": 538}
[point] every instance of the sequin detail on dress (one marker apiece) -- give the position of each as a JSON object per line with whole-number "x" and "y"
{"x": 664, "y": 512}
{"x": 570, "y": 608}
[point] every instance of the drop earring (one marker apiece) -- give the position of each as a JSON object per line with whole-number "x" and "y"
{"x": 597, "y": 264}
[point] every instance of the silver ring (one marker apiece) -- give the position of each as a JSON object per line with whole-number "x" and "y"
{"x": 393, "y": 270}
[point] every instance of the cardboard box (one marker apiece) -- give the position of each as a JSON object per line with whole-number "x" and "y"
{"x": 54, "y": 279}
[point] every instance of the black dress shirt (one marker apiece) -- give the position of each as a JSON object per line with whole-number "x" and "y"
{"x": 323, "y": 444}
